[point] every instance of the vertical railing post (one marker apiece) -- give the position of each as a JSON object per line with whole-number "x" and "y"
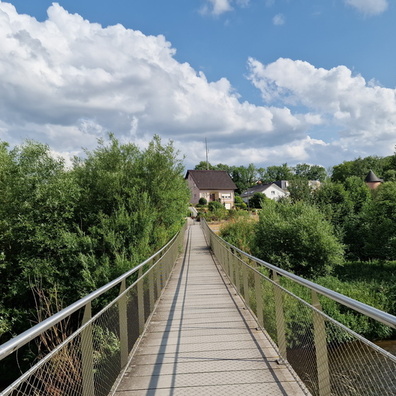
{"x": 151, "y": 285}
{"x": 228, "y": 266}
{"x": 259, "y": 299}
{"x": 140, "y": 290}
{"x": 280, "y": 316}
{"x": 237, "y": 274}
{"x": 322, "y": 359}
{"x": 158, "y": 276}
{"x": 232, "y": 269}
{"x": 245, "y": 270}
{"x": 88, "y": 385}
{"x": 123, "y": 323}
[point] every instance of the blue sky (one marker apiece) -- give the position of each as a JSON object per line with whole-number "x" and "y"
{"x": 265, "y": 81}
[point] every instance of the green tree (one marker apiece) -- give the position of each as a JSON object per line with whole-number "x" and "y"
{"x": 310, "y": 172}
{"x": 244, "y": 177}
{"x": 297, "y": 237}
{"x": 300, "y": 190}
{"x": 203, "y": 165}
{"x": 74, "y": 230}
{"x": 377, "y": 225}
{"x": 257, "y": 200}
{"x": 359, "y": 194}
{"x": 224, "y": 167}
{"x": 360, "y": 167}
{"x": 40, "y": 244}
{"x": 334, "y": 202}
{"x": 275, "y": 173}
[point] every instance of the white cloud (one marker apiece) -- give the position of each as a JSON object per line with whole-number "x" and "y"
{"x": 278, "y": 20}
{"x": 67, "y": 82}
{"x": 218, "y": 7}
{"x": 369, "y": 7}
{"x": 362, "y": 113}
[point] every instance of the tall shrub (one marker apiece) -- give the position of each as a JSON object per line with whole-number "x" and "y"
{"x": 297, "y": 238}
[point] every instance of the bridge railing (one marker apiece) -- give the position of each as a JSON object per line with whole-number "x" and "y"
{"x": 330, "y": 358}
{"x": 82, "y": 351}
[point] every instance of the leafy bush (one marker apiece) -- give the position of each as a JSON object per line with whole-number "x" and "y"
{"x": 239, "y": 204}
{"x": 296, "y": 237}
{"x": 215, "y": 205}
{"x": 202, "y": 201}
{"x": 239, "y": 233}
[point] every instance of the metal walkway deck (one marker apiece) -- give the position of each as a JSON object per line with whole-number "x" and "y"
{"x": 202, "y": 340}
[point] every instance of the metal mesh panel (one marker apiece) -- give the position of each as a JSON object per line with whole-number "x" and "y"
{"x": 89, "y": 361}
{"x": 58, "y": 375}
{"x": 358, "y": 367}
{"x": 106, "y": 349}
{"x": 330, "y": 358}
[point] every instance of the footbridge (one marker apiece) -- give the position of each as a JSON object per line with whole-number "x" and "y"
{"x": 200, "y": 317}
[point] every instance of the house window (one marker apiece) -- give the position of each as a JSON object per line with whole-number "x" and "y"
{"x": 226, "y": 196}
{"x": 273, "y": 192}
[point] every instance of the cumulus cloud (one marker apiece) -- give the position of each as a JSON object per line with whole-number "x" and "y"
{"x": 67, "y": 82}
{"x": 368, "y": 7}
{"x": 361, "y": 112}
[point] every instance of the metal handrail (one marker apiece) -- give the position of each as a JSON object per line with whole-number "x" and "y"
{"x": 317, "y": 346}
{"x": 15, "y": 343}
{"x": 374, "y": 313}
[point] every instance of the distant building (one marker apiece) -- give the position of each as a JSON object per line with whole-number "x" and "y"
{"x": 372, "y": 181}
{"x": 270, "y": 190}
{"x": 211, "y": 185}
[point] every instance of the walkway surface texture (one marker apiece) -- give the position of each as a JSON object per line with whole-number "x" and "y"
{"x": 202, "y": 340}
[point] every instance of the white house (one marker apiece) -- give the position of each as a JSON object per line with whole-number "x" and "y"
{"x": 270, "y": 190}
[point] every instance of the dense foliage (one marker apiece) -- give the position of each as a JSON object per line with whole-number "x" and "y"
{"x": 308, "y": 232}
{"x": 69, "y": 231}
{"x": 247, "y": 176}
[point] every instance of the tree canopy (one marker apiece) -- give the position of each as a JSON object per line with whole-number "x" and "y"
{"x": 73, "y": 230}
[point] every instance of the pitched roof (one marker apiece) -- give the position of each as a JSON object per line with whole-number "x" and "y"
{"x": 259, "y": 188}
{"x": 372, "y": 178}
{"x": 212, "y": 180}
{"x": 255, "y": 188}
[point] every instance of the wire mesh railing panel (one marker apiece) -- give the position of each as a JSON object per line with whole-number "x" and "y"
{"x": 358, "y": 367}
{"x": 81, "y": 354}
{"x": 60, "y": 373}
{"x": 106, "y": 349}
{"x": 269, "y": 317}
{"x": 251, "y": 290}
{"x": 301, "y": 347}
{"x": 330, "y": 358}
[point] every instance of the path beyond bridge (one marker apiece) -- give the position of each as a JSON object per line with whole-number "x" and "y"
{"x": 203, "y": 341}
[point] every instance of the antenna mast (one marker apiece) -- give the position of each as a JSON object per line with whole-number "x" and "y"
{"x": 207, "y": 155}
